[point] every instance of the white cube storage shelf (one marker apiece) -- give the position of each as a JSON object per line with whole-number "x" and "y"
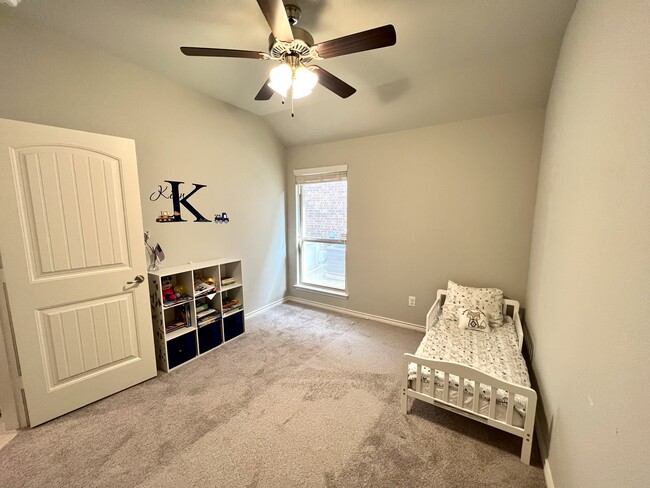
{"x": 204, "y": 319}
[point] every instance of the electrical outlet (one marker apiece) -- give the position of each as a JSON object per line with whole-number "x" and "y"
{"x": 411, "y": 301}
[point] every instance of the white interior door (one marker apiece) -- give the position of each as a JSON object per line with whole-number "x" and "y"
{"x": 71, "y": 240}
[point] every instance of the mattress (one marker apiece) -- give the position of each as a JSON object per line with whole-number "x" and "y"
{"x": 495, "y": 353}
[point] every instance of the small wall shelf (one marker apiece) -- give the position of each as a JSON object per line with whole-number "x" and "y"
{"x": 207, "y": 314}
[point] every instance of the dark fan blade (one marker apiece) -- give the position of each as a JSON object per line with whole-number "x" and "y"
{"x": 221, "y": 53}
{"x": 332, "y": 83}
{"x": 265, "y": 93}
{"x": 276, "y": 16}
{"x": 361, "y": 41}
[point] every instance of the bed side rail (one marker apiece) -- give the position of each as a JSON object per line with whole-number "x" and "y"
{"x": 425, "y": 391}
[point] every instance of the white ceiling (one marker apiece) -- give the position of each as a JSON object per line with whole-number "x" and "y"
{"x": 454, "y": 59}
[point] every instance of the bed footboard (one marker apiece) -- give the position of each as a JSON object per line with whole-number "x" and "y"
{"x": 425, "y": 391}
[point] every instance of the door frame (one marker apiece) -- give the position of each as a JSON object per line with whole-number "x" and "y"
{"x": 13, "y": 409}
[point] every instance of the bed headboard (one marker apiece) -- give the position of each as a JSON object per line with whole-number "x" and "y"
{"x": 510, "y": 308}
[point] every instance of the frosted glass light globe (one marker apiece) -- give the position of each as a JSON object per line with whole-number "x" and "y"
{"x": 304, "y": 82}
{"x": 281, "y": 77}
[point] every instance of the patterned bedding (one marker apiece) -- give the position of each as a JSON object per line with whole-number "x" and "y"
{"x": 496, "y": 354}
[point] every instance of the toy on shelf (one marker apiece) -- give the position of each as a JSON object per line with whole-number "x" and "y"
{"x": 203, "y": 286}
{"x": 169, "y": 296}
{"x": 181, "y": 293}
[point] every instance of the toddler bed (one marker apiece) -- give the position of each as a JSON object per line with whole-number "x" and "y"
{"x": 481, "y": 362}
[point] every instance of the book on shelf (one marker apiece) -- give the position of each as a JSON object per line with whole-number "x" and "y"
{"x": 232, "y": 309}
{"x": 182, "y": 318}
{"x": 172, "y": 327}
{"x": 173, "y": 303}
{"x": 230, "y": 305}
{"x": 203, "y": 289}
{"x": 208, "y": 320}
{"x": 203, "y": 313}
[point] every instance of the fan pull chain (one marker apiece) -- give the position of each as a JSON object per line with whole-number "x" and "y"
{"x": 292, "y": 114}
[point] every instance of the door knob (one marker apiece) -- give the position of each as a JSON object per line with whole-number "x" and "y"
{"x": 136, "y": 281}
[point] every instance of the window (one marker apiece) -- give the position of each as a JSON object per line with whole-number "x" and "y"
{"x": 322, "y": 211}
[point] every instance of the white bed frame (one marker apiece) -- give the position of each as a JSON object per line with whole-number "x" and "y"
{"x": 425, "y": 393}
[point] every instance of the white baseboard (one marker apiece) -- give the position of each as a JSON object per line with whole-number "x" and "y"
{"x": 362, "y": 315}
{"x": 266, "y": 307}
{"x": 543, "y": 451}
{"x": 548, "y": 476}
{"x": 6, "y": 436}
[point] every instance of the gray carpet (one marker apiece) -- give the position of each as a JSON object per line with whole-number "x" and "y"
{"x": 305, "y": 398}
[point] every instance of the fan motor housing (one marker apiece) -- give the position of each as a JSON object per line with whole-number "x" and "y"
{"x": 301, "y": 44}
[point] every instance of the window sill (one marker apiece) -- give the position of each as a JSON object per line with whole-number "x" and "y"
{"x": 323, "y": 291}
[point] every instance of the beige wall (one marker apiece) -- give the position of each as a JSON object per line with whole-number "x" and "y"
{"x": 453, "y": 201}
{"x": 179, "y": 134}
{"x": 588, "y": 291}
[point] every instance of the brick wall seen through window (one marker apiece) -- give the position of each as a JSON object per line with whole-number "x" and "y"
{"x": 325, "y": 210}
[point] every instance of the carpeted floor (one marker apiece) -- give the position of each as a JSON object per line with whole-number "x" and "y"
{"x": 305, "y": 398}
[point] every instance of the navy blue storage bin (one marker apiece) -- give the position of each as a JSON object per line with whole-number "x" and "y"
{"x": 210, "y": 336}
{"x": 181, "y": 349}
{"x": 233, "y": 325}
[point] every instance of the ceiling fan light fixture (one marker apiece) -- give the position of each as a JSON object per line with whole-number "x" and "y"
{"x": 281, "y": 78}
{"x": 299, "y": 92}
{"x": 293, "y": 47}
{"x": 304, "y": 81}
{"x": 300, "y": 80}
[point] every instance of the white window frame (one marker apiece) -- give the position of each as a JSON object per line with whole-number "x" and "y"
{"x": 315, "y": 175}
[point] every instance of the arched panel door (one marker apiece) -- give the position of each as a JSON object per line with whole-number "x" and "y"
{"x": 71, "y": 247}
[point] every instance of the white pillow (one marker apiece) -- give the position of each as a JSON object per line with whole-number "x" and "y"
{"x": 473, "y": 319}
{"x": 488, "y": 300}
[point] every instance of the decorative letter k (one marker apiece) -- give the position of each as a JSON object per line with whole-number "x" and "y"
{"x": 178, "y": 201}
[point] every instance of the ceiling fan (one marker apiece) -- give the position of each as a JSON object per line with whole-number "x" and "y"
{"x": 294, "y": 48}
